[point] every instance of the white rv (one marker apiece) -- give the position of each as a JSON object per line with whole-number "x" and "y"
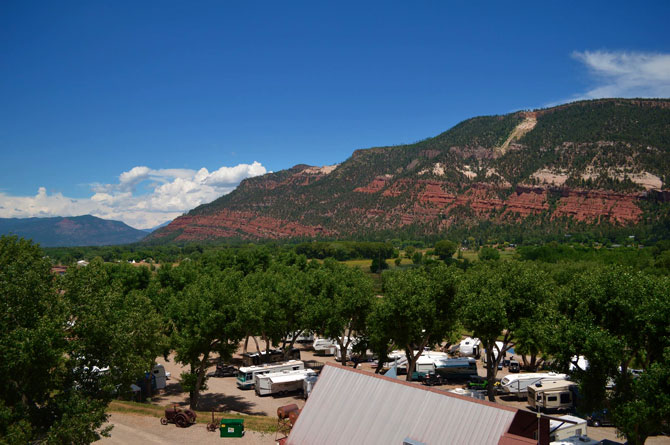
{"x": 246, "y": 374}
{"x": 281, "y": 382}
{"x": 517, "y": 384}
{"x": 469, "y": 347}
{"x": 160, "y": 375}
{"x": 324, "y": 346}
{"x": 563, "y": 427}
{"x": 555, "y": 395}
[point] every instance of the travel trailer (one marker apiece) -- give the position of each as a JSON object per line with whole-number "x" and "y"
{"x": 160, "y": 375}
{"x": 281, "y": 382}
{"x": 246, "y": 374}
{"x": 324, "y": 346}
{"x": 517, "y": 384}
{"x": 563, "y": 427}
{"x": 555, "y": 395}
{"x": 469, "y": 347}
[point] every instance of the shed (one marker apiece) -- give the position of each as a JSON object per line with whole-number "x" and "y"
{"x": 353, "y": 406}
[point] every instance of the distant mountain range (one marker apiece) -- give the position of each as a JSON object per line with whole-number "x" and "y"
{"x": 582, "y": 164}
{"x": 83, "y": 230}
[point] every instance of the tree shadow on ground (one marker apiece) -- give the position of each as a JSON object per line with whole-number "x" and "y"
{"x": 223, "y": 402}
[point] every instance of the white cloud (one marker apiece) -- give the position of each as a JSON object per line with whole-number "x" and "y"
{"x": 173, "y": 192}
{"x": 626, "y": 74}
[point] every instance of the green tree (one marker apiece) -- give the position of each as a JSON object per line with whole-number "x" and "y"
{"x": 616, "y": 317}
{"x": 488, "y": 254}
{"x": 419, "y": 309}
{"x": 497, "y": 300}
{"x": 343, "y": 301}
{"x": 205, "y": 321}
{"x": 53, "y": 333}
{"x": 445, "y": 249}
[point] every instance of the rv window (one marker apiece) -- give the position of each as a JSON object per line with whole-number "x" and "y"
{"x": 295, "y": 368}
{"x": 578, "y": 432}
{"x": 155, "y": 371}
{"x": 539, "y": 397}
{"x": 552, "y": 398}
{"x": 248, "y": 377}
{"x": 565, "y": 397}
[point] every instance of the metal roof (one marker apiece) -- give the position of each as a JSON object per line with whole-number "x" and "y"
{"x": 352, "y": 406}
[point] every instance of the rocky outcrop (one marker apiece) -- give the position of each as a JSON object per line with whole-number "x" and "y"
{"x": 237, "y": 224}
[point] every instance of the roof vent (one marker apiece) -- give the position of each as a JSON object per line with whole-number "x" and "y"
{"x": 408, "y": 441}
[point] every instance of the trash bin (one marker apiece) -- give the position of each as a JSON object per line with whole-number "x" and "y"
{"x": 232, "y": 427}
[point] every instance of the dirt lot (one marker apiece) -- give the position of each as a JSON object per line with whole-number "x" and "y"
{"x": 223, "y": 395}
{"x": 134, "y": 429}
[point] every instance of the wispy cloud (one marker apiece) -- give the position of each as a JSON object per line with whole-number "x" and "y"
{"x": 625, "y": 74}
{"x": 172, "y": 192}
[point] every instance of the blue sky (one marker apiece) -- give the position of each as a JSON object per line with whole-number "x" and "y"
{"x": 115, "y": 108}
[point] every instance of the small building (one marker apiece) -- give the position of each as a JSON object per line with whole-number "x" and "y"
{"x": 352, "y": 406}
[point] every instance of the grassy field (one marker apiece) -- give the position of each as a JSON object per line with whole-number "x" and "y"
{"x": 261, "y": 424}
{"x": 505, "y": 255}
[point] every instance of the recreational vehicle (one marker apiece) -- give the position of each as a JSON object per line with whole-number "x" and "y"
{"x": 426, "y": 363}
{"x": 469, "y": 347}
{"x": 517, "y": 385}
{"x": 555, "y": 395}
{"x": 160, "y": 375}
{"x": 324, "y": 346}
{"x": 456, "y": 368}
{"x": 563, "y": 427}
{"x": 272, "y": 356}
{"x": 281, "y": 382}
{"x": 246, "y": 374}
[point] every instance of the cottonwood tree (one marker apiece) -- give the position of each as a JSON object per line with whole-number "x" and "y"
{"x": 204, "y": 321}
{"x": 497, "y": 300}
{"x": 615, "y": 318}
{"x": 343, "y": 300}
{"x": 419, "y": 308}
{"x": 52, "y": 333}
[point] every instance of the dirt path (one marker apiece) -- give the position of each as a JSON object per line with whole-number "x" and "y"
{"x": 524, "y": 127}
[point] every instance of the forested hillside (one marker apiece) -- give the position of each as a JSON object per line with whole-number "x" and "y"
{"x": 599, "y": 163}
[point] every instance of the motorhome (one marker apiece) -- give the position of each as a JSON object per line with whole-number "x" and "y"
{"x": 281, "y": 382}
{"x": 561, "y": 428}
{"x": 456, "y": 368}
{"x": 246, "y": 374}
{"x": 469, "y": 347}
{"x": 517, "y": 384}
{"x": 555, "y": 395}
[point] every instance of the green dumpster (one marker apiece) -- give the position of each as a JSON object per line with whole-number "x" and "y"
{"x": 232, "y": 427}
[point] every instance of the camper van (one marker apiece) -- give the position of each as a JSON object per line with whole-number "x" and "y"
{"x": 246, "y": 374}
{"x": 555, "y": 395}
{"x": 517, "y": 385}
{"x": 426, "y": 363}
{"x": 456, "y": 368}
{"x": 469, "y": 347}
{"x": 281, "y": 382}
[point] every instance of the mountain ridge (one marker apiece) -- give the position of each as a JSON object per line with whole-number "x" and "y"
{"x": 591, "y": 162}
{"x": 67, "y": 231}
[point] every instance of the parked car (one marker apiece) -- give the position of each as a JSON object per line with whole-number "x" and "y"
{"x": 514, "y": 366}
{"x": 599, "y": 418}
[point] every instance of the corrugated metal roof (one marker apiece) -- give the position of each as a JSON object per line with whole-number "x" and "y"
{"x": 350, "y": 406}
